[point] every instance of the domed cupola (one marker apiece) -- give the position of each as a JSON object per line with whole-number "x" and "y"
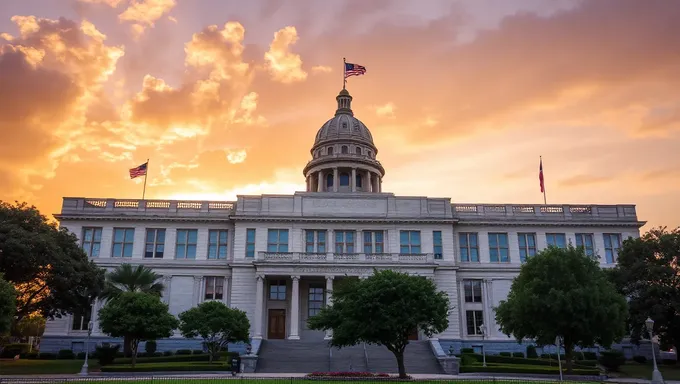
{"x": 343, "y": 154}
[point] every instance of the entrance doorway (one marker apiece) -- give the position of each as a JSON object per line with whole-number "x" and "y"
{"x": 414, "y": 334}
{"x": 277, "y": 324}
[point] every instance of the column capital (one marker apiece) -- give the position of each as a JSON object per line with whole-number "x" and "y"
{"x": 198, "y": 278}
{"x": 295, "y": 277}
{"x": 330, "y": 277}
{"x": 260, "y": 276}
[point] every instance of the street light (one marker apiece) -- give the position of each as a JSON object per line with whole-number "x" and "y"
{"x": 482, "y": 328}
{"x": 559, "y": 359}
{"x": 83, "y": 370}
{"x": 656, "y": 375}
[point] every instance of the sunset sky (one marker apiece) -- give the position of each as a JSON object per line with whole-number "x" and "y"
{"x": 225, "y": 96}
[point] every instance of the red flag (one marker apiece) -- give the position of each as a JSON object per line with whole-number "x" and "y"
{"x": 540, "y": 176}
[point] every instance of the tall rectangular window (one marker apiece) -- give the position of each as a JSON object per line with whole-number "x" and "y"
{"x": 92, "y": 238}
{"x": 585, "y": 240}
{"x": 473, "y": 291}
{"x": 277, "y": 290}
{"x": 409, "y": 242}
{"x": 374, "y": 242}
{"x": 81, "y": 320}
{"x": 612, "y": 243}
{"x": 556, "y": 239}
{"x": 527, "y": 245}
{"x": 218, "y": 243}
{"x": 277, "y": 240}
{"x": 250, "y": 242}
{"x": 315, "y": 300}
{"x": 475, "y": 319}
{"x": 344, "y": 241}
{"x": 155, "y": 243}
{"x": 498, "y": 248}
{"x": 469, "y": 247}
{"x": 315, "y": 241}
{"x": 437, "y": 246}
{"x": 186, "y": 243}
{"x": 123, "y": 239}
{"x": 214, "y": 287}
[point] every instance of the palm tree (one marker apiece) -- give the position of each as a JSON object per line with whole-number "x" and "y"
{"x": 126, "y": 278}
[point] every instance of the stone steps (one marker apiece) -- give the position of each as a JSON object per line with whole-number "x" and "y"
{"x": 292, "y": 356}
{"x": 349, "y": 359}
{"x": 418, "y": 358}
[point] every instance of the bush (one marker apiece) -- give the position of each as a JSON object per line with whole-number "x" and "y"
{"x": 554, "y": 356}
{"x": 590, "y": 355}
{"x": 467, "y": 359}
{"x": 531, "y": 352}
{"x": 14, "y": 349}
{"x": 197, "y": 352}
{"x": 347, "y": 374}
{"x": 545, "y": 356}
{"x": 505, "y": 360}
{"x": 106, "y": 355}
{"x": 183, "y": 352}
{"x": 524, "y": 369}
{"x": 506, "y": 354}
{"x": 668, "y": 361}
{"x": 150, "y": 347}
{"x": 467, "y": 350}
{"x": 518, "y": 354}
{"x": 66, "y": 354}
{"x": 167, "y": 353}
{"x": 177, "y": 358}
{"x": 168, "y": 367}
{"x": 639, "y": 359}
{"x": 81, "y": 356}
{"x": 47, "y": 356}
{"x": 32, "y": 355}
{"x": 612, "y": 360}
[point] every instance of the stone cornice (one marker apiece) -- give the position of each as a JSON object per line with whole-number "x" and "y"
{"x": 552, "y": 223}
{"x": 223, "y": 219}
{"x": 378, "y": 220}
{"x": 221, "y": 264}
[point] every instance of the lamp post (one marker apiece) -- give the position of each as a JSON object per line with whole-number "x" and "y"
{"x": 83, "y": 370}
{"x": 656, "y": 375}
{"x": 482, "y": 328}
{"x": 559, "y": 359}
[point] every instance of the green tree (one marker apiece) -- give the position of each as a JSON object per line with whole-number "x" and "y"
{"x": 384, "y": 309}
{"x": 49, "y": 270}
{"x": 126, "y": 278}
{"x": 8, "y": 305}
{"x": 562, "y": 292}
{"x": 647, "y": 273}
{"x": 217, "y": 324}
{"x": 30, "y": 326}
{"x": 137, "y": 316}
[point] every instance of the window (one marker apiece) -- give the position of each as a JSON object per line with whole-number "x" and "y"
{"x": 315, "y": 300}
{"x": 409, "y": 242}
{"x": 155, "y": 243}
{"x": 475, "y": 319}
{"x": 370, "y": 154}
{"x": 277, "y": 290}
{"x": 437, "y": 244}
{"x": 359, "y": 181}
{"x": 473, "y": 291}
{"x": 214, "y": 287}
{"x": 374, "y": 242}
{"x": 469, "y": 248}
{"x": 250, "y": 242}
{"x": 330, "y": 150}
{"x": 585, "y": 240}
{"x": 498, "y": 248}
{"x": 344, "y": 179}
{"x": 344, "y": 149}
{"x": 612, "y": 243}
{"x": 186, "y": 243}
{"x": 358, "y": 150}
{"x": 122, "y": 242}
{"x": 344, "y": 241}
{"x": 218, "y": 243}
{"x": 556, "y": 239}
{"x": 527, "y": 245}
{"x": 277, "y": 240}
{"x": 92, "y": 238}
{"x": 329, "y": 181}
{"x": 315, "y": 241}
{"x": 81, "y": 320}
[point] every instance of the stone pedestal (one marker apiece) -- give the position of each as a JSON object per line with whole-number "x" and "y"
{"x": 450, "y": 364}
{"x": 248, "y": 363}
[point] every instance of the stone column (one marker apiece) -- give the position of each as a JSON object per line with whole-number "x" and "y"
{"x": 369, "y": 182}
{"x": 198, "y": 280}
{"x": 329, "y": 301}
{"x": 226, "y": 291}
{"x": 167, "y": 280}
{"x": 295, "y": 310}
{"x": 489, "y": 320}
{"x": 307, "y": 184}
{"x": 259, "y": 306}
{"x": 379, "y": 184}
{"x": 319, "y": 181}
{"x": 353, "y": 182}
{"x": 335, "y": 179}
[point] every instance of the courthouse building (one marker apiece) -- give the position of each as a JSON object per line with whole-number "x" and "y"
{"x": 278, "y": 257}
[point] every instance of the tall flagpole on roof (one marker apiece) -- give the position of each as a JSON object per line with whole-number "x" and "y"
{"x": 146, "y": 172}
{"x": 344, "y": 74}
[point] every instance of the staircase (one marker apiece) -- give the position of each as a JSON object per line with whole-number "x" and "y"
{"x": 418, "y": 358}
{"x": 349, "y": 359}
{"x": 292, "y": 356}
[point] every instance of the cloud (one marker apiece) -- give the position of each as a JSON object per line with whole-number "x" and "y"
{"x": 386, "y": 110}
{"x": 283, "y": 65}
{"x": 237, "y": 157}
{"x": 142, "y": 14}
{"x": 318, "y": 69}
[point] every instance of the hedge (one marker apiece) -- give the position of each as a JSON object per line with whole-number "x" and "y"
{"x": 175, "y": 358}
{"x": 167, "y": 367}
{"x": 527, "y": 369}
{"x": 519, "y": 360}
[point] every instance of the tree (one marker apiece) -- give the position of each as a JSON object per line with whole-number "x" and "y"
{"x": 384, "y": 309}
{"x": 137, "y": 316}
{"x": 126, "y": 278}
{"x": 562, "y": 292}
{"x": 217, "y": 324}
{"x": 7, "y": 305}
{"x": 46, "y": 265}
{"x": 647, "y": 273}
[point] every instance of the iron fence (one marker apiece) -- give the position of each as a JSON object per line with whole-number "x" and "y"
{"x": 245, "y": 379}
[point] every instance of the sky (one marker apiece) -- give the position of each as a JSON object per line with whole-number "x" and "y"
{"x": 224, "y": 97}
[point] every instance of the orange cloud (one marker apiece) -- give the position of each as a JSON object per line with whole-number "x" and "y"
{"x": 283, "y": 65}
{"x": 142, "y": 14}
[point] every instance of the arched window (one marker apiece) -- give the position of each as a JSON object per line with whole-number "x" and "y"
{"x": 344, "y": 179}
{"x": 358, "y": 150}
{"x": 344, "y": 149}
{"x": 358, "y": 181}
{"x": 370, "y": 154}
{"x": 329, "y": 181}
{"x": 330, "y": 150}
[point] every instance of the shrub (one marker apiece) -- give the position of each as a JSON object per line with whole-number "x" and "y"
{"x": 167, "y": 367}
{"x": 505, "y": 360}
{"x": 66, "y": 354}
{"x": 518, "y": 354}
{"x": 167, "y": 353}
{"x": 81, "y": 356}
{"x": 106, "y": 355}
{"x": 467, "y": 359}
{"x": 590, "y": 355}
{"x": 14, "y": 349}
{"x": 640, "y": 359}
{"x": 150, "y": 347}
{"x": 32, "y": 355}
{"x": 177, "y": 358}
{"x": 47, "y": 356}
{"x": 183, "y": 352}
{"x": 506, "y": 354}
{"x": 531, "y": 352}
{"x": 197, "y": 352}
{"x": 525, "y": 369}
{"x": 668, "y": 361}
{"x": 348, "y": 374}
{"x": 612, "y": 360}
{"x": 467, "y": 350}
{"x": 554, "y": 356}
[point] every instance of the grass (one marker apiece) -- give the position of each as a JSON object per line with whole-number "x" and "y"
{"x": 644, "y": 371}
{"x": 43, "y": 367}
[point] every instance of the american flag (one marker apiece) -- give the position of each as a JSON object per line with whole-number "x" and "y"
{"x": 540, "y": 176}
{"x": 138, "y": 171}
{"x": 354, "y": 70}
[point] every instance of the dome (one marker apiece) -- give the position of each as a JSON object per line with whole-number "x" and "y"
{"x": 344, "y": 126}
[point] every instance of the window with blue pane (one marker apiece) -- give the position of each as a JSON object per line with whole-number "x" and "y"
{"x": 123, "y": 239}
{"x": 218, "y": 243}
{"x": 344, "y": 179}
{"x": 277, "y": 290}
{"x": 250, "y": 242}
{"x": 92, "y": 238}
{"x": 469, "y": 247}
{"x": 409, "y": 242}
{"x": 498, "y": 248}
{"x": 155, "y": 243}
{"x": 556, "y": 239}
{"x": 185, "y": 246}
{"x": 277, "y": 240}
{"x": 374, "y": 242}
{"x": 585, "y": 241}
{"x": 612, "y": 243}
{"x": 315, "y": 241}
{"x": 344, "y": 242}
{"x": 437, "y": 246}
{"x": 527, "y": 245}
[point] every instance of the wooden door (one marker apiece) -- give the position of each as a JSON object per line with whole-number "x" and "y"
{"x": 277, "y": 324}
{"x": 413, "y": 335}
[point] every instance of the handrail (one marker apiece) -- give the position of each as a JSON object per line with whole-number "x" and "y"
{"x": 366, "y": 358}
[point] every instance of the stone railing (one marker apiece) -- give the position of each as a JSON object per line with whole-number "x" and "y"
{"x": 544, "y": 212}
{"x": 112, "y": 207}
{"x": 374, "y": 258}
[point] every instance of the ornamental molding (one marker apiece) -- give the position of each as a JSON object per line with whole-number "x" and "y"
{"x": 552, "y": 223}
{"x": 374, "y": 220}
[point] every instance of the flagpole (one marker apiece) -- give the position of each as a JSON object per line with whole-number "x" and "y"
{"x": 344, "y": 68}
{"x": 145, "y": 175}
{"x": 545, "y": 201}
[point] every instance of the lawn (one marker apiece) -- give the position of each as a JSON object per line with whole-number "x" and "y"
{"x": 43, "y": 367}
{"x": 644, "y": 371}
